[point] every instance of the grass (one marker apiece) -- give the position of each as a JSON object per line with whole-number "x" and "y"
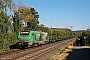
{"x": 60, "y": 52}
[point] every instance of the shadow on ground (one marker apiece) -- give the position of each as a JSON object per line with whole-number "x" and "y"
{"x": 13, "y": 46}
{"x": 78, "y": 54}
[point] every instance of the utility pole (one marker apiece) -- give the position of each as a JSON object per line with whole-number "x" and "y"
{"x": 71, "y": 29}
{"x": 57, "y": 34}
{"x": 51, "y": 32}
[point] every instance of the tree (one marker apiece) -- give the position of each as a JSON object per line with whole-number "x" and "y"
{"x": 25, "y": 13}
{"x": 16, "y": 23}
{"x": 32, "y": 24}
{"x": 4, "y": 18}
{"x": 7, "y": 37}
{"x": 4, "y": 4}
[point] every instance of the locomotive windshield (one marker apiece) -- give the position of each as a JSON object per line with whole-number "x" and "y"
{"x": 24, "y": 33}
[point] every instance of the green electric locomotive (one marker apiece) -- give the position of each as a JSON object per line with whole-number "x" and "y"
{"x": 32, "y": 38}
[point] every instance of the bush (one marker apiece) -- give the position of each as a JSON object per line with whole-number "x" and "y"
{"x": 7, "y": 40}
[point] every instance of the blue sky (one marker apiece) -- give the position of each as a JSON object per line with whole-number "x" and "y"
{"x": 61, "y": 13}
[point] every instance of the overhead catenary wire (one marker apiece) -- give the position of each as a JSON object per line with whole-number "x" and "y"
{"x": 45, "y": 14}
{"x": 47, "y": 20}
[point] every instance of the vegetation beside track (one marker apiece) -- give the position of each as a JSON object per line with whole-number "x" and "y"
{"x": 87, "y": 35}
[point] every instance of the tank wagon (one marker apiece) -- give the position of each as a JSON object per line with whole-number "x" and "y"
{"x": 31, "y": 38}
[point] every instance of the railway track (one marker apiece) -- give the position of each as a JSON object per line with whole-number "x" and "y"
{"x": 33, "y": 53}
{"x": 18, "y": 53}
{"x": 8, "y": 52}
{"x": 39, "y": 53}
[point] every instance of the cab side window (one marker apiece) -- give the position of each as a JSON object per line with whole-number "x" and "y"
{"x": 32, "y": 34}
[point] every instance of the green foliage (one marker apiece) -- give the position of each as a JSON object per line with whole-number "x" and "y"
{"x": 89, "y": 38}
{"x": 66, "y": 47}
{"x": 7, "y": 37}
{"x": 4, "y": 4}
{"x": 87, "y": 34}
{"x": 60, "y": 33}
{"x": 7, "y": 40}
{"x": 33, "y": 24}
{"x": 61, "y": 52}
{"x": 16, "y": 23}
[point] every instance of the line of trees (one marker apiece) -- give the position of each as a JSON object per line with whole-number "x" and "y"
{"x": 22, "y": 18}
{"x": 87, "y": 35}
{"x": 6, "y": 36}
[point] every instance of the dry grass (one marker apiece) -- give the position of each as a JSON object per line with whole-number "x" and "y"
{"x": 63, "y": 53}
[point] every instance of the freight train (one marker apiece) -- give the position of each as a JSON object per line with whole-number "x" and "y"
{"x": 34, "y": 38}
